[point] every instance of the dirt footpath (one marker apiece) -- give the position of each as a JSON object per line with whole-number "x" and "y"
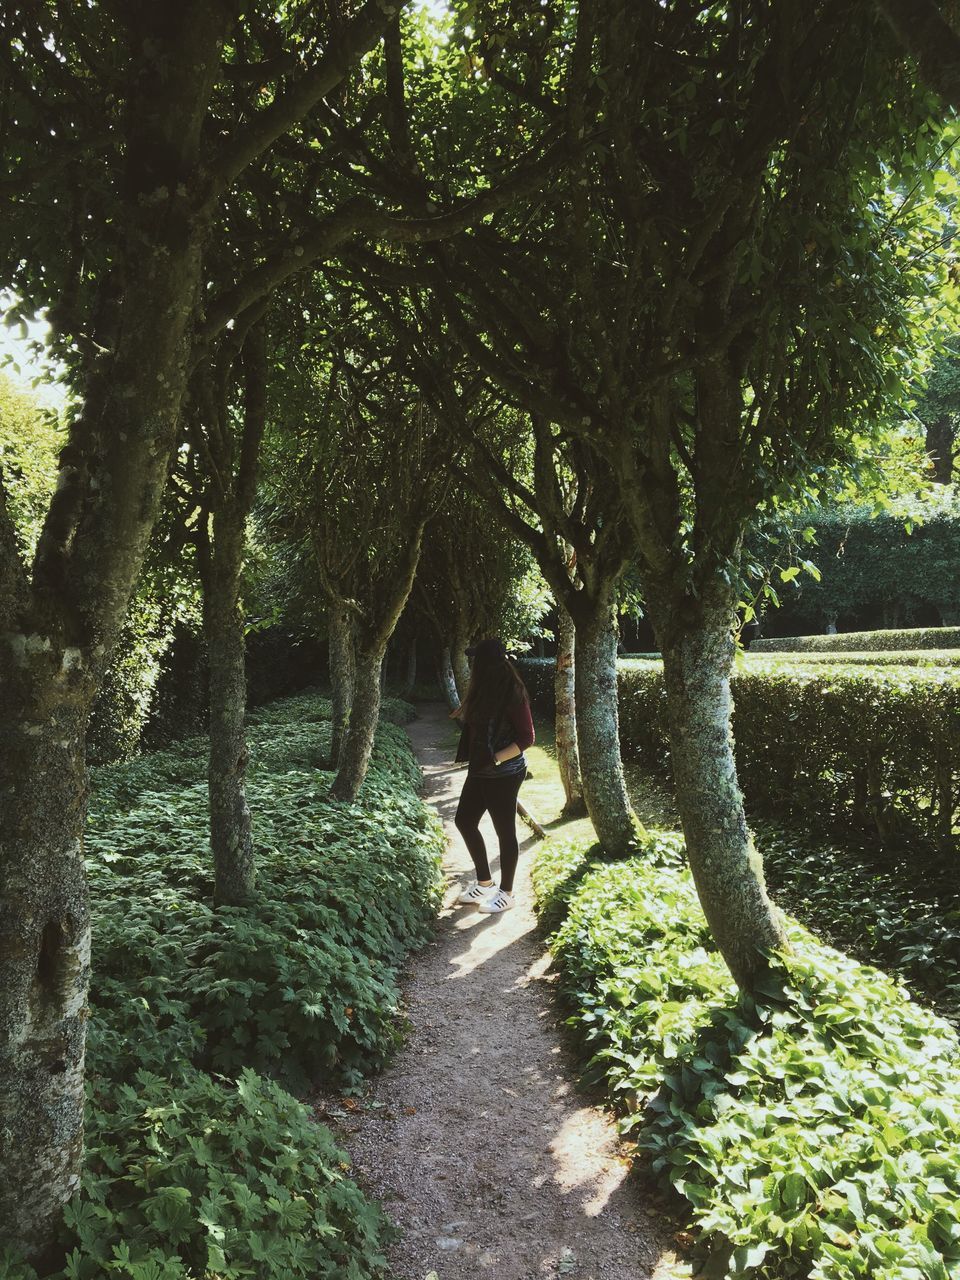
{"x": 475, "y": 1138}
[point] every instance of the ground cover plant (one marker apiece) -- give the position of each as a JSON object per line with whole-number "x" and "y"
{"x": 199, "y": 1162}
{"x": 814, "y": 1132}
{"x": 905, "y": 916}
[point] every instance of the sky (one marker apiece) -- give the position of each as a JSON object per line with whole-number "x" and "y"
{"x": 16, "y": 345}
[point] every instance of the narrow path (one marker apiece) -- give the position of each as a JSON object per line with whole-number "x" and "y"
{"x": 475, "y": 1138}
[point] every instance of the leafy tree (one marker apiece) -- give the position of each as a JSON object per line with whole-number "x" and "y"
{"x": 560, "y": 500}
{"x": 360, "y": 470}
{"x": 126, "y": 130}
{"x": 475, "y": 579}
{"x": 938, "y": 409}
{"x": 718, "y": 295}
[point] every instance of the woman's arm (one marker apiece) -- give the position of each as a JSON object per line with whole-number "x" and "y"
{"x": 522, "y": 722}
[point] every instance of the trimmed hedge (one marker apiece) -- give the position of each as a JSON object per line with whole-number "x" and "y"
{"x": 876, "y": 749}
{"x": 913, "y": 638}
{"x": 866, "y": 657}
{"x": 196, "y": 1165}
{"x": 814, "y": 1133}
{"x": 873, "y": 749}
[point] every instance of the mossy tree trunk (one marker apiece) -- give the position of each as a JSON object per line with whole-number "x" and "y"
{"x": 696, "y": 640}
{"x": 362, "y": 726}
{"x": 461, "y": 664}
{"x": 231, "y": 836}
{"x": 376, "y": 625}
{"x": 568, "y": 756}
{"x": 229, "y": 493}
{"x": 59, "y": 623}
{"x": 44, "y": 947}
{"x": 446, "y": 678}
{"x": 342, "y": 661}
{"x": 598, "y": 728}
{"x": 410, "y": 676}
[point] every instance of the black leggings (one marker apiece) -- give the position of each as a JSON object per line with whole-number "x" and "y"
{"x": 499, "y": 796}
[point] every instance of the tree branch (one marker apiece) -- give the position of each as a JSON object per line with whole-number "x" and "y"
{"x": 355, "y": 39}
{"x": 361, "y": 216}
{"x": 930, "y": 40}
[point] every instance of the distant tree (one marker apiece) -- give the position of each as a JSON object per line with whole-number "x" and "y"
{"x": 938, "y": 409}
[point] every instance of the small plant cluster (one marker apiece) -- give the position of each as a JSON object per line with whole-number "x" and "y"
{"x": 814, "y": 1131}
{"x": 198, "y": 1161}
{"x": 842, "y": 642}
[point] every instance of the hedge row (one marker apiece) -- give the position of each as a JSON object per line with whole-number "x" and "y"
{"x": 864, "y": 657}
{"x": 875, "y": 749}
{"x": 912, "y": 638}
{"x": 814, "y": 1132}
{"x": 198, "y": 1163}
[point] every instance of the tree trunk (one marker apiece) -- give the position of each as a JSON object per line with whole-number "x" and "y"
{"x": 342, "y": 675}
{"x": 727, "y": 868}
{"x": 461, "y": 666}
{"x": 566, "y": 717}
{"x": 44, "y": 962}
{"x": 939, "y": 445}
{"x": 56, "y": 639}
{"x": 231, "y": 839}
{"x": 448, "y": 684}
{"x": 364, "y": 714}
{"x": 598, "y": 733}
{"x": 410, "y": 679}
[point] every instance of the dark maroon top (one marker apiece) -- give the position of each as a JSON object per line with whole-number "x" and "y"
{"x": 478, "y": 748}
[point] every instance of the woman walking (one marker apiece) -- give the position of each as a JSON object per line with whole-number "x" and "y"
{"x": 497, "y": 729}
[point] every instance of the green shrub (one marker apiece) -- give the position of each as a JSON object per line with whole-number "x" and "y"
{"x": 913, "y": 638}
{"x": 302, "y": 983}
{"x": 193, "y": 1177}
{"x": 873, "y": 749}
{"x": 868, "y": 657}
{"x": 815, "y": 1133}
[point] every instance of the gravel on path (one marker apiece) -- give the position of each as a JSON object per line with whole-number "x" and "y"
{"x": 475, "y": 1138}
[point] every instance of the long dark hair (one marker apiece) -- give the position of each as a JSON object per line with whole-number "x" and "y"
{"x": 494, "y": 686}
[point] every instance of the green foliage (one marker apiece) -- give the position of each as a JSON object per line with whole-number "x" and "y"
{"x": 913, "y": 638}
{"x": 907, "y": 918}
{"x": 875, "y": 749}
{"x": 814, "y": 1133}
{"x": 190, "y": 1174}
{"x": 30, "y": 441}
{"x": 301, "y": 984}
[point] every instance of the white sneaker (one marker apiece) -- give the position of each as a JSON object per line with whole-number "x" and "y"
{"x": 496, "y": 902}
{"x": 475, "y": 892}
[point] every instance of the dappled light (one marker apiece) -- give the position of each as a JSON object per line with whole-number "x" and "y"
{"x": 480, "y": 640}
